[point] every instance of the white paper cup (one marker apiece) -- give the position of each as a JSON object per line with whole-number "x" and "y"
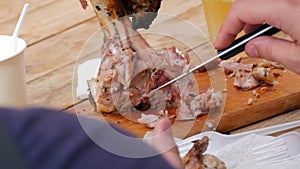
{"x": 12, "y": 73}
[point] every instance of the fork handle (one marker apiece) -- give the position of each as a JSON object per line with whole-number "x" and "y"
{"x": 271, "y": 129}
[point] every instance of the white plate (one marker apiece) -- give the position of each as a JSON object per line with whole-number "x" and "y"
{"x": 85, "y": 72}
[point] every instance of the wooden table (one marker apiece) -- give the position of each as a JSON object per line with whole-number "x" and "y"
{"x": 56, "y": 32}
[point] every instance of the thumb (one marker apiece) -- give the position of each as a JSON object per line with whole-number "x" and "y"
{"x": 274, "y": 49}
{"x": 163, "y": 142}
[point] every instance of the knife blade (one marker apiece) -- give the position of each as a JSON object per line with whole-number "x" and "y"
{"x": 236, "y": 47}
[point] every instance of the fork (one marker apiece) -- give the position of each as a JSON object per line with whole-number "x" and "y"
{"x": 278, "y": 149}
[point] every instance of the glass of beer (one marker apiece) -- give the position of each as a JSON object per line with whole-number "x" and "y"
{"x": 215, "y": 12}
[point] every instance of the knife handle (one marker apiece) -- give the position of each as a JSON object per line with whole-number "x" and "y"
{"x": 239, "y": 44}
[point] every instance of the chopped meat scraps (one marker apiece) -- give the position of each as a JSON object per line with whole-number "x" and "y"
{"x": 206, "y": 102}
{"x": 245, "y": 80}
{"x": 262, "y": 74}
{"x": 249, "y": 76}
{"x": 231, "y": 66}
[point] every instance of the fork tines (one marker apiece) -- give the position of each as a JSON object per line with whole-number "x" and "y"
{"x": 273, "y": 151}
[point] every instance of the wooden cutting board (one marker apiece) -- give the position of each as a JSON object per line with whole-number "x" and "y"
{"x": 272, "y": 100}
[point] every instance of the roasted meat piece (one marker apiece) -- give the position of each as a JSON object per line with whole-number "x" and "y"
{"x": 195, "y": 159}
{"x": 270, "y": 64}
{"x": 190, "y": 107}
{"x": 262, "y": 74}
{"x": 212, "y": 162}
{"x": 125, "y": 78}
{"x": 206, "y": 101}
{"x": 115, "y": 72}
{"x": 245, "y": 80}
{"x": 231, "y": 66}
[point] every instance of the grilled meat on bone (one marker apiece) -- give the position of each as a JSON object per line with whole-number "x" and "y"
{"x": 130, "y": 67}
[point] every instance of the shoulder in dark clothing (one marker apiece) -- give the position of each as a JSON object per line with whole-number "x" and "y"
{"x": 50, "y": 139}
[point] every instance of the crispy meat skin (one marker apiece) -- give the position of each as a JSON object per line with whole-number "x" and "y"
{"x": 195, "y": 159}
{"x": 143, "y": 12}
{"x": 136, "y": 6}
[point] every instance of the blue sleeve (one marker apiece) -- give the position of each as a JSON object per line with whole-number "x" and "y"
{"x": 50, "y": 139}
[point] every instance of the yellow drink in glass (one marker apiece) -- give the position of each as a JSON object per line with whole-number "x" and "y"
{"x": 215, "y": 12}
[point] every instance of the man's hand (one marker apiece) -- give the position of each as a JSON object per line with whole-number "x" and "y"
{"x": 282, "y": 14}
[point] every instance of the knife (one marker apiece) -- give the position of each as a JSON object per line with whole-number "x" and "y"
{"x": 236, "y": 47}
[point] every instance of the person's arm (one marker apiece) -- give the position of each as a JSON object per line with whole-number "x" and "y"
{"x": 282, "y": 14}
{"x": 49, "y": 139}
